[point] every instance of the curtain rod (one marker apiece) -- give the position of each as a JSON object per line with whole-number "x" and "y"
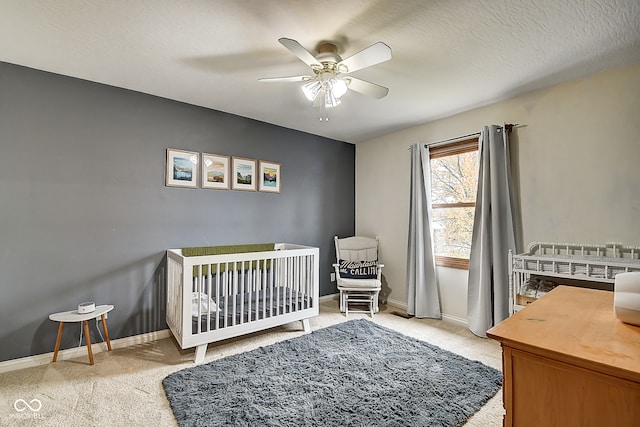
{"x": 508, "y": 126}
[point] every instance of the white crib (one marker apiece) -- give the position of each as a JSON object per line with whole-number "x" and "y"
{"x": 216, "y": 297}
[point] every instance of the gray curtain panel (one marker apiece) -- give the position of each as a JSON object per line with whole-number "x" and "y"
{"x": 423, "y": 298}
{"x": 493, "y": 234}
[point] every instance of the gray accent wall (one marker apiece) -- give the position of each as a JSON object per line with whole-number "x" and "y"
{"x": 85, "y": 214}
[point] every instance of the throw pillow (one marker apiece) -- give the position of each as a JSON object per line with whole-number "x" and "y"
{"x": 358, "y": 269}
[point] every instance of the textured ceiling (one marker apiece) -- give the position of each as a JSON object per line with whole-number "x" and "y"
{"x": 448, "y": 56}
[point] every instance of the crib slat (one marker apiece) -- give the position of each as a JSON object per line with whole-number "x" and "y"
{"x": 256, "y": 295}
{"x": 279, "y": 285}
{"x": 282, "y": 286}
{"x": 226, "y": 294}
{"x": 234, "y": 293}
{"x": 217, "y": 300}
{"x": 199, "y": 294}
{"x": 209, "y": 307}
{"x": 289, "y": 282}
{"x": 305, "y": 282}
{"x": 241, "y": 279}
{"x": 294, "y": 284}
{"x": 271, "y": 291}
{"x": 264, "y": 290}
{"x": 310, "y": 282}
{"x": 260, "y": 296}
{"x": 292, "y": 287}
{"x": 249, "y": 277}
{"x": 303, "y": 266}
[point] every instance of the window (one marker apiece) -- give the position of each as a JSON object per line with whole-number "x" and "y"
{"x": 454, "y": 183}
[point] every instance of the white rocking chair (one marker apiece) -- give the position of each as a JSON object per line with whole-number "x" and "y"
{"x": 358, "y": 273}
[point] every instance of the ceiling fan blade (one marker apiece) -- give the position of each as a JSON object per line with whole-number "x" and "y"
{"x": 372, "y": 55}
{"x": 298, "y": 50}
{"x": 367, "y": 88}
{"x": 285, "y": 79}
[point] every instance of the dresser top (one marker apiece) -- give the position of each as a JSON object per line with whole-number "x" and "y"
{"x": 577, "y": 326}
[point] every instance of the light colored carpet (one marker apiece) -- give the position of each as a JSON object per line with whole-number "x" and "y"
{"x": 124, "y": 387}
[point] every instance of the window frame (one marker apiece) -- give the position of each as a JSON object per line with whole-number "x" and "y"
{"x": 467, "y": 145}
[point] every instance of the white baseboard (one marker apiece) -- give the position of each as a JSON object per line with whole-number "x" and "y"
{"x": 455, "y": 319}
{"x": 72, "y": 353}
{"x": 445, "y": 317}
{"x": 397, "y": 304}
{"x": 329, "y": 297}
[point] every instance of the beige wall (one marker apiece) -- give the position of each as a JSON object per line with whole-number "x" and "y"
{"x": 576, "y": 166}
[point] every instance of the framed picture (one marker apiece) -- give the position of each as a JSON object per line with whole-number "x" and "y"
{"x": 269, "y": 177}
{"x": 182, "y": 168}
{"x": 244, "y": 174}
{"x": 215, "y": 171}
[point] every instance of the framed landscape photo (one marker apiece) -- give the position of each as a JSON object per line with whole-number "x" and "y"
{"x": 182, "y": 168}
{"x": 215, "y": 171}
{"x": 244, "y": 174}
{"x": 269, "y": 177}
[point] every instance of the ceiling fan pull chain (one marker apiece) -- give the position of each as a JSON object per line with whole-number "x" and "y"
{"x": 324, "y": 113}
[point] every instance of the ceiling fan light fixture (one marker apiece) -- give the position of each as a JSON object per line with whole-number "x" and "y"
{"x": 330, "y": 100}
{"x": 332, "y": 86}
{"x": 337, "y": 86}
{"x": 311, "y": 89}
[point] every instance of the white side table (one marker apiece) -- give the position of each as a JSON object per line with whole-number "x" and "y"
{"x": 74, "y": 316}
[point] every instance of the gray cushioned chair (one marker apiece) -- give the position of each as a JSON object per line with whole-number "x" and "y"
{"x": 358, "y": 273}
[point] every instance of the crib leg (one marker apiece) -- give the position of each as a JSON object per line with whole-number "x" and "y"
{"x": 306, "y": 326}
{"x": 200, "y": 352}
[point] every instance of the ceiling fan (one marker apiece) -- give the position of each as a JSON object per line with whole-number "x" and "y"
{"x": 331, "y": 74}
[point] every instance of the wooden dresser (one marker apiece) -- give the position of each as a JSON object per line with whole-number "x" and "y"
{"x": 568, "y": 361}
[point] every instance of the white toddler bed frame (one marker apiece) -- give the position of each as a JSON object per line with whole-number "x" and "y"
{"x": 216, "y": 297}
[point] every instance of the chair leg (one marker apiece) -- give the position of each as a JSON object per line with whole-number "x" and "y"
{"x": 376, "y": 305}
{"x": 372, "y": 307}
{"x": 345, "y": 301}
{"x": 346, "y": 305}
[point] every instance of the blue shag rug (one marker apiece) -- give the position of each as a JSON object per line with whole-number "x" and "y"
{"x": 355, "y": 373}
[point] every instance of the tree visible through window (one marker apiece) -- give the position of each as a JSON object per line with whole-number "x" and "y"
{"x": 454, "y": 182}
